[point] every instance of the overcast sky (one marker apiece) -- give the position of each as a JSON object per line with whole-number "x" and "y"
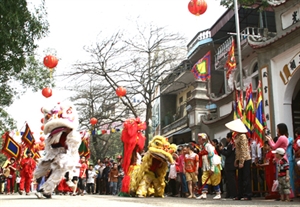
{"x": 76, "y": 23}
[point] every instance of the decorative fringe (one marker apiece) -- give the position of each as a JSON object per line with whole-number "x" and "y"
{"x": 122, "y": 194}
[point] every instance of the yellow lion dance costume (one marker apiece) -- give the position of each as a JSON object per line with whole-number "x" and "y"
{"x": 149, "y": 178}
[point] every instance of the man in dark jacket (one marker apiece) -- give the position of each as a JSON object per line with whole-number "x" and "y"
{"x": 230, "y": 169}
{"x": 105, "y": 175}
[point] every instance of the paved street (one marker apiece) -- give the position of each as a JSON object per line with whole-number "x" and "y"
{"x": 107, "y": 201}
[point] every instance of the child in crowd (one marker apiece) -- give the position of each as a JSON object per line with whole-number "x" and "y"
{"x": 173, "y": 176}
{"x": 113, "y": 178}
{"x": 283, "y": 174}
{"x": 270, "y": 170}
{"x": 91, "y": 180}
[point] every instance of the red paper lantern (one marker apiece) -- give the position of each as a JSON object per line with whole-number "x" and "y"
{"x": 47, "y": 92}
{"x": 121, "y": 91}
{"x": 197, "y": 7}
{"x": 42, "y": 139}
{"x": 42, "y": 127}
{"x": 42, "y": 120}
{"x": 103, "y": 131}
{"x": 93, "y": 121}
{"x": 50, "y": 61}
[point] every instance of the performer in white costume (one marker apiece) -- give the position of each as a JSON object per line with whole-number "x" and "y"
{"x": 61, "y": 147}
{"x": 211, "y": 167}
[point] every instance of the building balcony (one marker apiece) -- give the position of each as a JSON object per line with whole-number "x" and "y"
{"x": 249, "y": 36}
{"x": 177, "y": 79}
{"x": 200, "y": 36}
{"x": 175, "y": 125}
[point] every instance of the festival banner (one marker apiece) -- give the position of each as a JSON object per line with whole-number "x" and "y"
{"x": 201, "y": 69}
{"x": 27, "y": 137}
{"x": 10, "y": 147}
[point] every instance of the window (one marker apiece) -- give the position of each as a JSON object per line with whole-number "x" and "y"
{"x": 188, "y": 94}
{"x": 180, "y": 100}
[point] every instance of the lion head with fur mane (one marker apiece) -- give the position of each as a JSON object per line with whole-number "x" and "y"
{"x": 154, "y": 168}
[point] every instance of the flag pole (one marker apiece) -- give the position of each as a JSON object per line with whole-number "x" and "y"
{"x": 238, "y": 40}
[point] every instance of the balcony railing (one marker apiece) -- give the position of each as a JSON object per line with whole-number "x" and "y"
{"x": 182, "y": 122}
{"x": 200, "y": 36}
{"x": 182, "y": 67}
{"x": 253, "y": 34}
{"x": 223, "y": 49}
{"x": 256, "y": 34}
{"x": 276, "y": 2}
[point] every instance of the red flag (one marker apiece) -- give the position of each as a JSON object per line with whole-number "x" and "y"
{"x": 231, "y": 62}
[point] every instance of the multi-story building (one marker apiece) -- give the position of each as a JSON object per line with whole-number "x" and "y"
{"x": 270, "y": 53}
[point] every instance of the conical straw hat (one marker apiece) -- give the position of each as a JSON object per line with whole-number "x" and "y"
{"x": 237, "y": 126}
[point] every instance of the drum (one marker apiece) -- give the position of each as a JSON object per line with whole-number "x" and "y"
{"x": 6, "y": 172}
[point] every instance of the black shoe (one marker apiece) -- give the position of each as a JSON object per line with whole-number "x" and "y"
{"x": 46, "y": 195}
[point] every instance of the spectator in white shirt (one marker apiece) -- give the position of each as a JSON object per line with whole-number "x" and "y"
{"x": 173, "y": 176}
{"x": 90, "y": 184}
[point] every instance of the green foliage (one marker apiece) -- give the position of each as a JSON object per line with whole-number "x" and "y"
{"x": 19, "y": 70}
{"x": 106, "y": 145}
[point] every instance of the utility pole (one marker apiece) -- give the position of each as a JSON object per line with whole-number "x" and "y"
{"x": 238, "y": 40}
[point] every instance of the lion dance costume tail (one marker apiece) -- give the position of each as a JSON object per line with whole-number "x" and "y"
{"x": 134, "y": 141}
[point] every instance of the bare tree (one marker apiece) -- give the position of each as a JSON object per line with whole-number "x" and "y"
{"x": 138, "y": 62}
{"x": 93, "y": 99}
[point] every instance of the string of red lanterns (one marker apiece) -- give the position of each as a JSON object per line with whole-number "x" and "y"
{"x": 50, "y": 62}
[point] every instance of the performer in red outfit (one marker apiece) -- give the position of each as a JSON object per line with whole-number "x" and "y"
{"x": 11, "y": 179}
{"x": 27, "y": 167}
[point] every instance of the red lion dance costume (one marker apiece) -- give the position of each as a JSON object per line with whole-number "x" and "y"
{"x": 134, "y": 141}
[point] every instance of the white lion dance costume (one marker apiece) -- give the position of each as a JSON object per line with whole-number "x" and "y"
{"x": 61, "y": 146}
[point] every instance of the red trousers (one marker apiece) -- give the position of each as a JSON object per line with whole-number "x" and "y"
{"x": 25, "y": 181}
{"x": 10, "y": 184}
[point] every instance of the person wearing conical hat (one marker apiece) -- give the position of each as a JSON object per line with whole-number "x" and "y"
{"x": 242, "y": 159}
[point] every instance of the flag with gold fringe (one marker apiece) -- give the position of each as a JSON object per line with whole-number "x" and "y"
{"x": 260, "y": 121}
{"x": 84, "y": 149}
{"x": 10, "y": 147}
{"x": 249, "y": 117}
{"x": 238, "y": 105}
{"x": 27, "y": 137}
{"x": 35, "y": 153}
{"x": 201, "y": 69}
{"x": 231, "y": 62}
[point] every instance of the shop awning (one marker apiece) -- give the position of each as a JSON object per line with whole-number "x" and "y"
{"x": 182, "y": 131}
